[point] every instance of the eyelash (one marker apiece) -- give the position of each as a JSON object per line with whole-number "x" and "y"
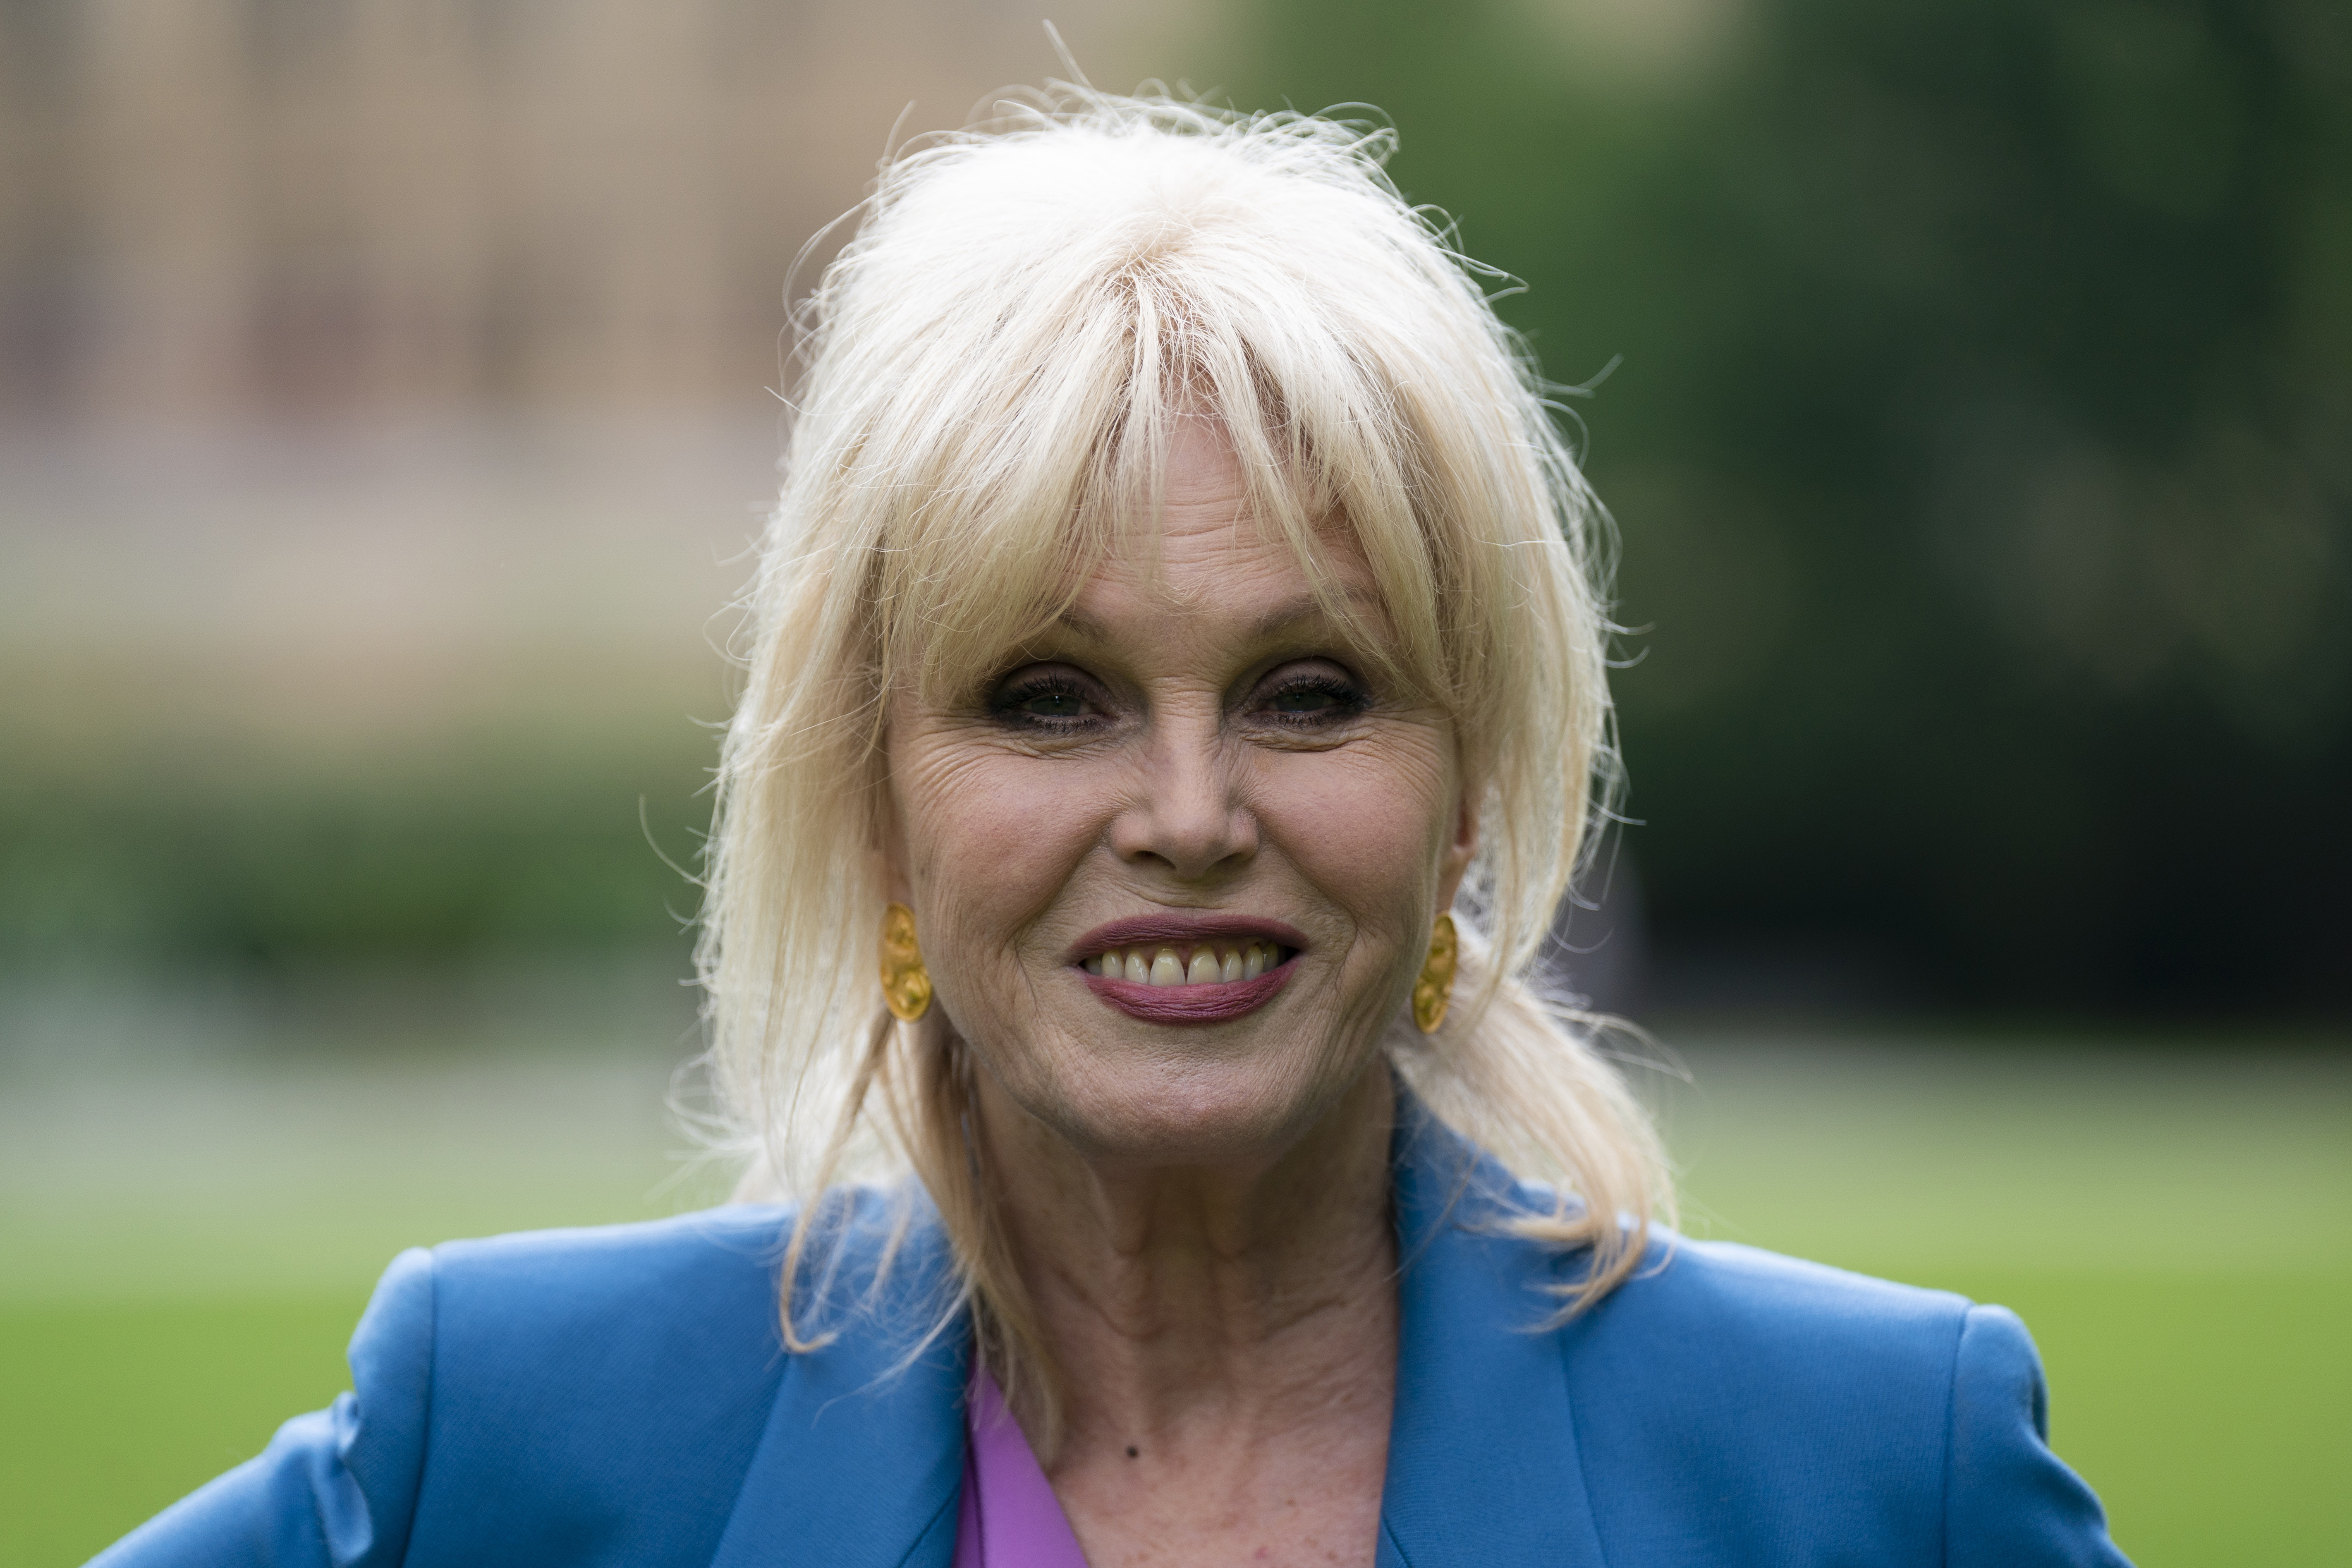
{"x": 1006, "y": 706}
{"x": 1348, "y": 700}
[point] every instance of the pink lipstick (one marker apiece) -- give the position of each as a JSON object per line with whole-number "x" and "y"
{"x": 1180, "y": 968}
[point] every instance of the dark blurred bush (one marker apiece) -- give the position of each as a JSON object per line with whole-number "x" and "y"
{"x": 439, "y": 856}
{"x": 1983, "y": 448}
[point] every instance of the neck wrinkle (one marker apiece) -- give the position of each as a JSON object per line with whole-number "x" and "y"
{"x": 1183, "y": 1296}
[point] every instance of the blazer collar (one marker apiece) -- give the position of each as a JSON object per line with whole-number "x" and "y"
{"x": 861, "y": 1462}
{"x": 1483, "y": 1463}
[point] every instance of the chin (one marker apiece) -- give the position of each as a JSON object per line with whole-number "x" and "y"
{"x": 1200, "y": 1111}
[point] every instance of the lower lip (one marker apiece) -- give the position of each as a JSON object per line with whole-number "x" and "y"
{"x": 1191, "y": 1004}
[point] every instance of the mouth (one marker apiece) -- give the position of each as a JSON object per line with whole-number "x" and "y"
{"x": 1188, "y": 969}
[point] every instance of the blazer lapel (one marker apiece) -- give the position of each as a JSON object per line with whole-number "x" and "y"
{"x": 1483, "y": 1465}
{"x": 861, "y": 1462}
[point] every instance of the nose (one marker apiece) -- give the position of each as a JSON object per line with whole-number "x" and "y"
{"x": 1186, "y": 810}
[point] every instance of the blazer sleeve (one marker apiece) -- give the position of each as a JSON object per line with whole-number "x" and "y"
{"x": 335, "y": 1488}
{"x": 2010, "y": 1503}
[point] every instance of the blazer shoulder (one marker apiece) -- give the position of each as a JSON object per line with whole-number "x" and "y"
{"x": 613, "y": 1385}
{"x": 1745, "y": 1289}
{"x": 1873, "y": 1421}
{"x": 1701, "y": 1314}
{"x": 592, "y": 1270}
{"x": 1722, "y": 1385}
{"x": 635, "y": 1306}
{"x": 1716, "y": 1331}
{"x": 550, "y": 1339}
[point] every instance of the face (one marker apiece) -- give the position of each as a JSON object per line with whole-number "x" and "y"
{"x": 1195, "y": 773}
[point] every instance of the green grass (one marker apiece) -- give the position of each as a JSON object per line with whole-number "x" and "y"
{"x": 181, "y": 1263}
{"x": 116, "y": 1409}
{"x": 2207, "y": 1410}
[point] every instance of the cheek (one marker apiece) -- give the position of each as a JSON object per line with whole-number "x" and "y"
{"x": 1365, "y": 828}
{"x": 990, "y": 839}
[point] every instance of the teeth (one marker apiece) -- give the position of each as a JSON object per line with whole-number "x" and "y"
{"x": 1209, "y": 965}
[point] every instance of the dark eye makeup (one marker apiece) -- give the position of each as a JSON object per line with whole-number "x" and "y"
{"x": 1308, "y": 695}
{"x": 1045, "y": 699}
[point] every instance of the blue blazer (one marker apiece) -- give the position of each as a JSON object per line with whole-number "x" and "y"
{"x": 621, "y": 1397}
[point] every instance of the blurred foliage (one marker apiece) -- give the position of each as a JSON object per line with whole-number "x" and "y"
{"x": 437, "y": 856}
{"x": 1982, "y": 448}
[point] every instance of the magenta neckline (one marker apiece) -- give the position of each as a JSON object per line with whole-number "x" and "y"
{"x": 1010, "y": 1517}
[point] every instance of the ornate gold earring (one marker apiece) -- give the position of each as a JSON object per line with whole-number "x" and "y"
{"x": 905, "y": 984}
{"x": 1434, "y": 988}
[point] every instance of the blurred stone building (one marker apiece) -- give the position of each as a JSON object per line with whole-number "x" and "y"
{"x": 383, "y": 428}
{"x": 291, "y": 207}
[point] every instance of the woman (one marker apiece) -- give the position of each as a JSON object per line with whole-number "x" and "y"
{"x": 1180, "y": 612}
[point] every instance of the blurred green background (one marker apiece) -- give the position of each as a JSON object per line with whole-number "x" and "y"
{"x": 383, "y": 424}
{"x": 1983, "y": 445}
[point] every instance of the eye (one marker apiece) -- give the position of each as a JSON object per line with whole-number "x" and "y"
{"x": 1045, "y": 699}
{"x": 1312, "y": 695}
{"x": 1303, "y": 699}
{"x": 1050, "y": 704}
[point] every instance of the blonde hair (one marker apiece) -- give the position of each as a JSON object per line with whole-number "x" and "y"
{"x": 989, "y": 374}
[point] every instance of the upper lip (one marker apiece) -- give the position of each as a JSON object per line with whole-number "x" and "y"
{"x": 1175, "y": 926}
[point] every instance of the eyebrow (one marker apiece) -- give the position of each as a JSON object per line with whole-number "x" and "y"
{"x": 1308, "y": 608}
{"x": 1273, "y": 623}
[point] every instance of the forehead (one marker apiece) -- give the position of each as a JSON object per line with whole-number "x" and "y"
{"x": 1205, "y": 551}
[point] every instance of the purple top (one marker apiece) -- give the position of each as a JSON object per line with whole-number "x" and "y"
{"x": 1011, "y": 1518}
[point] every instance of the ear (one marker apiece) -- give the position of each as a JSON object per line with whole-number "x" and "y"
{"x": 1460, "y": 850}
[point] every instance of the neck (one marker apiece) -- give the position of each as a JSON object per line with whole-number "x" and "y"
{"x": 1237, "y": 1302}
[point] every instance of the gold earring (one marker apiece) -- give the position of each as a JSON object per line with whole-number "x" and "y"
{"x": 1434, "y": 988}
{"x": 905, "y": 984}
